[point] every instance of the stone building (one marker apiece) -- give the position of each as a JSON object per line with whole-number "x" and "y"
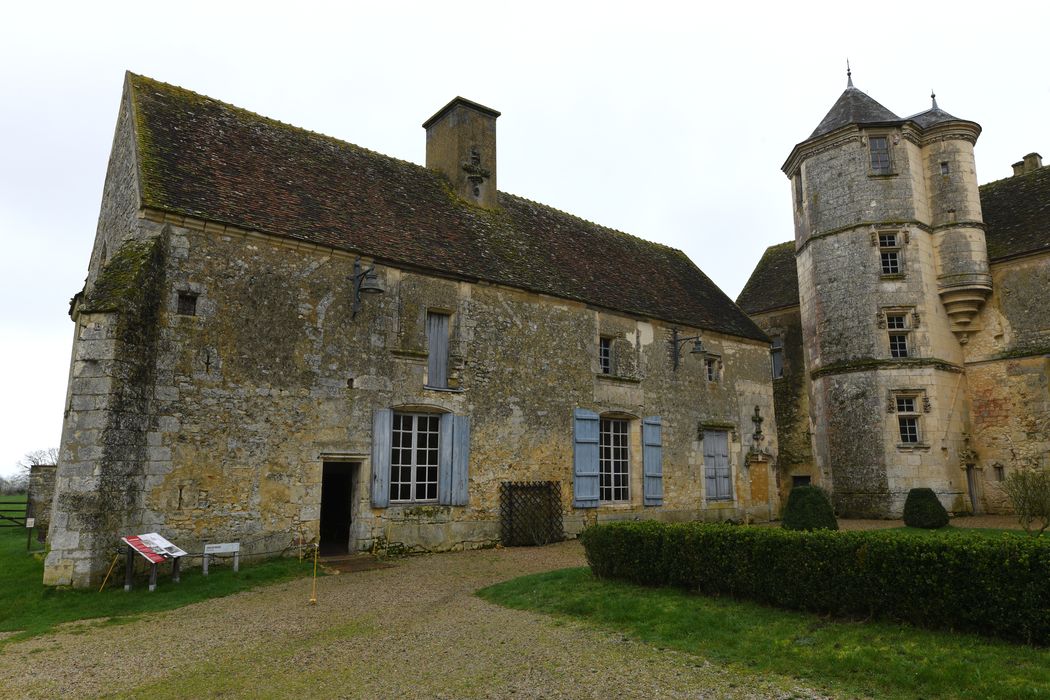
{"x": 909, "y": 318}
{"x": 282, "y": 334}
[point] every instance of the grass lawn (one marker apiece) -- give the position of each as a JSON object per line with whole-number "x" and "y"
{"x": 30, "y": 608}
{"x": 854, "y": 658}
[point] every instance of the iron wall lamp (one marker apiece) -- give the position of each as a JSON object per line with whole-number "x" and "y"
{"x": 677, "y": 343}
{"x": 365, "y": 281}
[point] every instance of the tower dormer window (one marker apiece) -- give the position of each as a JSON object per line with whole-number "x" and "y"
{"x": 879, "y": 147}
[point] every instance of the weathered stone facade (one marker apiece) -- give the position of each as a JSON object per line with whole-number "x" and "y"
{"x": 217, "y": 370}
{"x": 41, "y": 493}
{"x": 924, "y": 365}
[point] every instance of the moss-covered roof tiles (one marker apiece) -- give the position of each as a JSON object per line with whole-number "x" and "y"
{"x": 1017, "y": 214}
{"x": 207, "y": 159}
{"x": 774, "y": 283}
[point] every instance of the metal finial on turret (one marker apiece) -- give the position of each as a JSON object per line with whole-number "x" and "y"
{"x": 933, "y": 96}
{"x": 849, "y": 75}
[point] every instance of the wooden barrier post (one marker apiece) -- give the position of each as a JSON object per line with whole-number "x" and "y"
{"x": 129, "y": 568}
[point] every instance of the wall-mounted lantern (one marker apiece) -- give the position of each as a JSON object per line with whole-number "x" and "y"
{"x": 677, "y": 343}
{"x": 365, "y": 281}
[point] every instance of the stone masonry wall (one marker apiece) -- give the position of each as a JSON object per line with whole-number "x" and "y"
{"x": 791, "y": 397}
{"x": 1007, "y": 369}
{"x": 273, "y": 376}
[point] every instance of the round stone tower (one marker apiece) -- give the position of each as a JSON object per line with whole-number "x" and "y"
{"x": 892, "y": 270}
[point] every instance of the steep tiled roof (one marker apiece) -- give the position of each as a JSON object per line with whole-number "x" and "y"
{"x": 210, "y": 160}
{"x": 1017, "y": 214}
{"x": 774, "y": 283}
{"x": 853, "y": 107}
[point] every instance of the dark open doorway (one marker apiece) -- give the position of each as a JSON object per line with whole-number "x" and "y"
{"x": 336, "y": 499}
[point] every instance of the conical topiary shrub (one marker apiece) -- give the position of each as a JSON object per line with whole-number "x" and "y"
{"x": 923, "y": 509}
{"x": 808, "y": 508}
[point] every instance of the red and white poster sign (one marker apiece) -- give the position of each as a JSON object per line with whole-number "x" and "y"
{"x": 154, "y": 548}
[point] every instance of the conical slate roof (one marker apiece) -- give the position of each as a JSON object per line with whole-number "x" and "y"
{"x": 934, "y": 115}
{"x": 853, "y": 107}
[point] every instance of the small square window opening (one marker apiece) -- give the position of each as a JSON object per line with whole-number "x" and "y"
{"x": 187, "y": 305}
{"x": 605, "y": 355}
{"x": 1000, "y": 472}
{"x": 945, "y": 168}
{"x": 711, "y": 368}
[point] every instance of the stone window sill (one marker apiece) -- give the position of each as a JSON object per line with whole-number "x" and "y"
{"x": 618, "y": 379}
{"x": 895, "y": 276}
{"x": 444, "y": 389}
{"x": 913, "y": 446}
{"x": 877, "y": 175}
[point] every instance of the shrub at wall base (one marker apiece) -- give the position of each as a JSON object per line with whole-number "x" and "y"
{"x": 923, "y": 509}
{"x": 808, "y": 508}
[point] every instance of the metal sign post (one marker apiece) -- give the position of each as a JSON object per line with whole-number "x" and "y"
{"x": 233, "y": 548}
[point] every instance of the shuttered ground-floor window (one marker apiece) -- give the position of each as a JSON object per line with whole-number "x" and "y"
{"x": 420, "y": 458}
{"x": 414, "y": 458}
{"x": 717, "y": 473}
{"x": 602, "y": 460}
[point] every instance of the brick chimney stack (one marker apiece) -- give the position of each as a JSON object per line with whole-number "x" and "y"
{"x": 461, "y": 144}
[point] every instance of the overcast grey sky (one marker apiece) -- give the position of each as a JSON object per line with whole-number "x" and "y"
{"x": 666, "y": 120}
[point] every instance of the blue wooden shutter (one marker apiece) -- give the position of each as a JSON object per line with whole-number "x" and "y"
{"x": 653, "y": 461}
{"x": 437, "y": 350}
{"x": 717, "y": 474}
{"x": 445, "y": 428}
{"x": 460, "y": 460}
{"x": 725, "y": 482}
{"x": 585, "y": 459}
{"x": 382, "y": 429}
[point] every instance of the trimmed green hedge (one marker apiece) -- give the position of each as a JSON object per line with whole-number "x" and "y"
{"x": 923, "y": 509}
{"x": 996, "y": 586}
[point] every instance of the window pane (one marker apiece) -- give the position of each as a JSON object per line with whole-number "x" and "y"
{"x": 614, "y": 461}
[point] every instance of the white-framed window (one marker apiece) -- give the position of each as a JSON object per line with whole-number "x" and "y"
{"x": 414, "y": 454}
{"x": 605, "y": 358}
{"x": 899, "y": 331}
{"x": 614, "y": 461}
{"x": 712, "y": 368}
{"x": 776, "y": 357}
{"x": 908, "y": 419}
{"x": 879, "y": 150}
{"x": 437, "y": 349}
{"x": 890, "y": 259}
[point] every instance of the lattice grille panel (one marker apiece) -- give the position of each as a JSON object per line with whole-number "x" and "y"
{"x": 530, "y": 513}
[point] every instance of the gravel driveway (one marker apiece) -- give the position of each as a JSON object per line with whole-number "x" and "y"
{"x": 412, "y": 631}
